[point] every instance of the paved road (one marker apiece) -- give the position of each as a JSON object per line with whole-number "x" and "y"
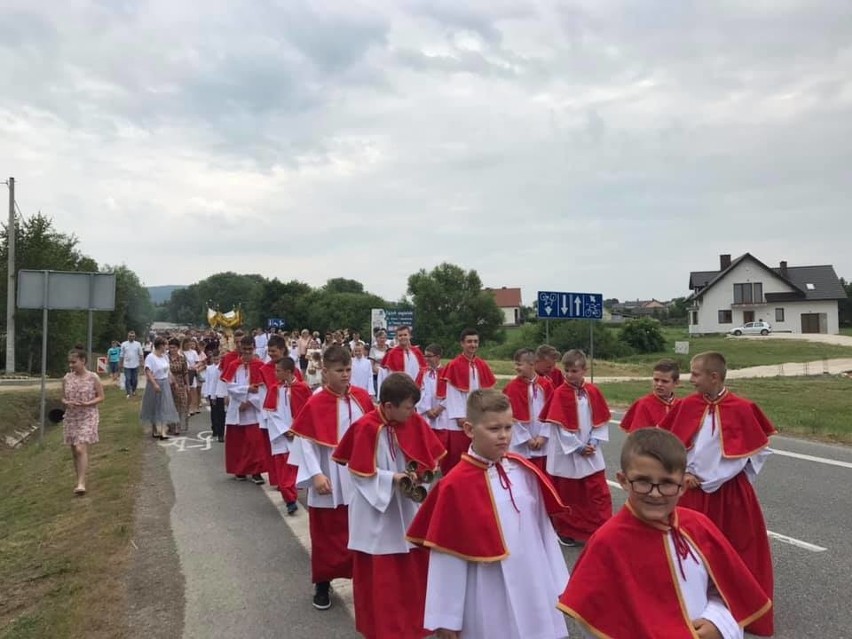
{"x": 247, "y": 573}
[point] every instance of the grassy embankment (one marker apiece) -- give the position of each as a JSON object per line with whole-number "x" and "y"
{"x": 63, "y": 558}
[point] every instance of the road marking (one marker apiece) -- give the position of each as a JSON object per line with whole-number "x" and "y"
{"x": 182, "y": 444}
{"x": 298, "y": 524}
{"x": 787, "y": 453}
{"x": 774, "y": 535}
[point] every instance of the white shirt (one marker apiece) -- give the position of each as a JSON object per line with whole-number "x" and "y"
{"x": 278, "y": 422}
{"x": 429, "y": 400}
{"x": 238, "y": 392}
{"x": 131, "y": 354}
{"x": 522, "y": 433}
{"x": 362, "y": 374}
{"x": 158, "y": 365}
{"x": 563, "y": 456}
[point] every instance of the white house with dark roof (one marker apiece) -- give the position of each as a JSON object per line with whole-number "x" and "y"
{"x": 793, "y": 299}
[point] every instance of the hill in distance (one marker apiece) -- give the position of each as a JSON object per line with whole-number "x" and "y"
{"x": 160, "y": 294}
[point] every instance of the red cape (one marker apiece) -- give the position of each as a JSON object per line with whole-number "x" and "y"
{"x": 562, "y": 407}
{"x": 270, "y": 379}
{"x": 394, "y": 359}
{"x": 556, "y": 377}
{"x": 518, "y": 393}
{"x": 229, "y": 374}
{"x": 624, "y": 582}
{"x": 745, "y": 430}
{"x": 440, "y": 383}
{"x": 300, "y": 393}
{"x": 416, "y": 439}
{"x": 647, "y": 412}
{"x": 227, "y": 358}
{"x": 459, "y": 516}
{"x": 318, "y": 419}
{"x": 457, "y": 373}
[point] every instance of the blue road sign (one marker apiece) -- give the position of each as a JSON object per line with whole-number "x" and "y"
{"x": 275, "y": 322}
{"x": 558, "y": 305}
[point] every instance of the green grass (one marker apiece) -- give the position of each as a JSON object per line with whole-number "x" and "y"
{"x": 63, "y": 559}
{"x": 816, "y": 406}
{"x": 603, "y": 368}
{"x": 743, "y": 352}
{"x": 846, "y": 330}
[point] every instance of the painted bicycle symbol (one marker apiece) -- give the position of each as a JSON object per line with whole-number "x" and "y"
{"x": 201, "y": 441}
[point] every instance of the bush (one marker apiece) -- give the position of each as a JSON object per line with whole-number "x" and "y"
{"x": 643, "y": 335}
{"x": 568, "y": 334}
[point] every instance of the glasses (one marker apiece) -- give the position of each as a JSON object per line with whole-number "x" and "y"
{"x": 645, "y": 487}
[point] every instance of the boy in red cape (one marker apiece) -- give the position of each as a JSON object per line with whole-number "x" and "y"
{"x": 579, "y": 419}
{"x": 389, "y": 574}
{"x": 727, "y": 443}
{"x": 404, "y": 357}
{"x": 285, "y": 398}
{"x": 432, "y": 405}
{"x": 655, "y": 571}
{"x": 495, "y": 567}
{"x": 320, "y": 425}
{"x": 528, "y": 393}
{"x": 649, "y": 411}
{"x": 461, "y": 376}
{"x": 546, "y": 358}
{"x": 245, "y": 443}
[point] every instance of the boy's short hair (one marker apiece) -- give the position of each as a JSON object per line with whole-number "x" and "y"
{"x": 278, "y": 341}
{"x": 398, "y": 387}
{"x": 404, "y": 327}
{"x": 574, "y": 357}
{"x": 174, "y": 341}
{"x": 655, "y": 443}
{"x": 435, "y": 349}
{"x": 467, "y": 333}
{"x": 712, "y": 362}
{"x": 336, "y": 354}
{"x": 669, "y": 366}
{"x": 485, "y": 400}
{"x": 546, "y": 351}
{"x": 246, "y": 341}
{"x": 239, "y": 333}
{"x": 286, "y": 364}
{"x": 524, "y": 355}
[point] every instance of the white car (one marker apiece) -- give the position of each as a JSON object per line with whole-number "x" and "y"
{"x": 752, "y": 328}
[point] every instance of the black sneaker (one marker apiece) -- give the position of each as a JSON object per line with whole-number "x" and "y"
{"x": 568, "y": 542}
{"x": 292, "y": 507}
{"x": 258, "y": 479}
{"x": 221, "y": 438}
{"x": 322, "y": 596}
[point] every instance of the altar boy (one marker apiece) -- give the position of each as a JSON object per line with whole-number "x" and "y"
{"x": 528, "y": 393}
{"x": 495, "y": 568}
{"x": 389, "y": 574}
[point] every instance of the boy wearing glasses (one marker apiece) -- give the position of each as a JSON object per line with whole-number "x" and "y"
{"x": 434, "y": 409}
{"x": 658, "y": 571}
{"x": 727, "y": 442}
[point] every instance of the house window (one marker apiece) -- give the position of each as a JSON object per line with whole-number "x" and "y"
{"x": 779, "y": 314}
{"x": 693, "y": 318}
{"x": 726, "y": 317}
{"x": 748, "y": 293}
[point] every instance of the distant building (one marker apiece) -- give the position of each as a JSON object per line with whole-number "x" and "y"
{"x": 509, "y": 301}
{"x": 639, "y": 308}
{"x": 793, "y": 299}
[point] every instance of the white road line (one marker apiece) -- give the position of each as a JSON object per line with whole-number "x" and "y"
{"x": 787, "y": 453}
{"x": 298, "y": 524}
{"x": 774, "y": 535}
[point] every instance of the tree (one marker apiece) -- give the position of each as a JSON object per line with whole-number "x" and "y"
{"x": 643, "y": 335}
{"x": 446, "y": 301}
{"x": 568, "y": 334}
{"x": 845, "y": 305}
{"x": 133, "y": 309}
{"x": 343, "y": 285}
{"x": 285, "y": 300}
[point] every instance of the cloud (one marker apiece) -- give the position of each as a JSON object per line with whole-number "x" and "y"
{"x": 607, "y": 147}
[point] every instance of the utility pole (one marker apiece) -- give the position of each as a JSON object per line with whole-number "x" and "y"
{"x": 10, "y": 290}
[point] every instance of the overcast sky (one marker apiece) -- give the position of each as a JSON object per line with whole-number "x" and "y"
{"x": 594, "y": 146}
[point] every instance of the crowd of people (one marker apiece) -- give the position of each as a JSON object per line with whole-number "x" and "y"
{"x": 445, "y": 500}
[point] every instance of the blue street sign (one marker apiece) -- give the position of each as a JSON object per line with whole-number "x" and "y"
{"x": 557, "y": 305}
{"x": 275, "y": 322}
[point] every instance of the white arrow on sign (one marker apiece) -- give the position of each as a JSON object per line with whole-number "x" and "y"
{"x": 565, "y": 305}
{"x": 578, "y": 306}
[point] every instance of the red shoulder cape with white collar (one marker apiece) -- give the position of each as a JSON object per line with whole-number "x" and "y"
{"x": 318, "y": 419}
{"x": 394, "y": 359}
{"x": 457, "y": 373}
{"x": 416, "y": 439}
{"x": 744, "y": 429}
{"x": 227, "y": 358}
{"x": 459, "y": 516}
{"x": 229, "y": 374}
{"x": 440, "y": 383}
{"x": 300, "y": 393}
{"x": 518, "y": 393}
{"x": 624, "y": 583}
{"x": 562, "y": 407}
{"x": 646, "y": 412}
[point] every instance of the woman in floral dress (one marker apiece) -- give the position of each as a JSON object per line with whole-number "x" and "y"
{"x": 180, "y": 387}
{"x": 81, "y": 393}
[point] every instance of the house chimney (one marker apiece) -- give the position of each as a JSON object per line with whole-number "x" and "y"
{"x": 784, "y": 268}
{"x": 724, "y": 261}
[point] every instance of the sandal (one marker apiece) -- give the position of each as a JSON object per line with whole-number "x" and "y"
{"x": 79, "y": 491}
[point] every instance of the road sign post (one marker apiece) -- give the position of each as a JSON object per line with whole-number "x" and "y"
{"x": 564, "y": 305}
